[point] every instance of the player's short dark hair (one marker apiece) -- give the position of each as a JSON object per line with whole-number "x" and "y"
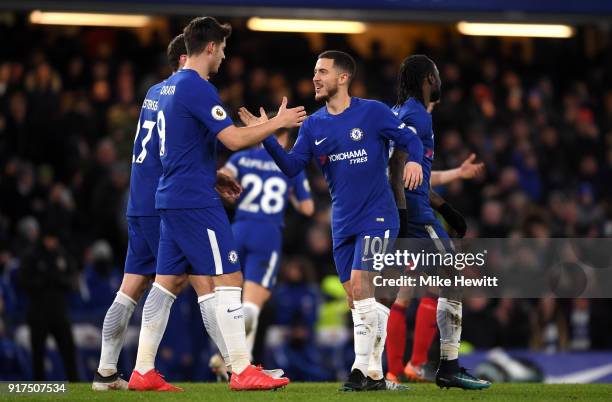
{"x": 176, "y": 48}
{"x": 202, "y": 30}
{"x": 413, "y": 70}
{"x": 342, "y": 61}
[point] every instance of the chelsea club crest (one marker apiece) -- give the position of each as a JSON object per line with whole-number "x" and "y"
{"x": 356, "y": 134}
{"x": 233, "y": 257}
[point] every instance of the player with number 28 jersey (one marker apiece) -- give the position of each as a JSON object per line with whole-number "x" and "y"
{"x": 259, "y": 218}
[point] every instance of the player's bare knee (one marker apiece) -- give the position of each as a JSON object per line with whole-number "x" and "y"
{"x": 183, "y": 281}
{"x": 255, "y": 293}
{"x": 360, "y": 290}
{"x": 202, "y": 284}
{"x": 234, "y": 279}
{"x": 172, "y": 283}
{"x": 134, "y": 285}
{"x": 349, "y": 300}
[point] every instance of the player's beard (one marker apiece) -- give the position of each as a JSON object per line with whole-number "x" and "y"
{"x": 331, "y": 91}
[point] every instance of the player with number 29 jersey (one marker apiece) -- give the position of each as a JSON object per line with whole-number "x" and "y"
{"x": 259, "y": 217}
{"x": 195, "y": 233}
{"x": 188, "y": 105}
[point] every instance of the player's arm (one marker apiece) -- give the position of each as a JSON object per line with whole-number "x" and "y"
{"x": 224, "y": 170}
{"x": 450, "y": 214}
{"x": 467, "y": 170}
{"x": 300, "y": 196}
{"x": 235, "y": 138}
{"x": 230, "y": 169}
{"x": 305, "y": 207}
{"x": 203, "y": 101}
{"x": 396, "y": 171}
{"x": 291, "y": 163}
{"x": 227, "y": 184}
{"x": 396, "y": 175}
{"x": 407, "y": 141}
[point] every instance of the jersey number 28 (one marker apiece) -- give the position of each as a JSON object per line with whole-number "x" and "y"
{"x": 273, "y": 198}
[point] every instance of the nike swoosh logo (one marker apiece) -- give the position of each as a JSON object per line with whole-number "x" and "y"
{"x": 360, "y": 325}
{"x": 368, "y": 259}
{"x": 317, "y": 142}
{"x": 581, "y": 376}
{"x": 236, "y": 309}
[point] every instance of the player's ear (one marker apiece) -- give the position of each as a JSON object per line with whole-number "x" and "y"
{"x": 344, "y": 77}
{"x": 210, "y": 48}
{"x": 431, "y": 77}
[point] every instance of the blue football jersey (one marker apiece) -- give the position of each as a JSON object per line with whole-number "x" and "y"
{"x": 265, "y": 188}
{"x": 352, "y": 150}
{"x": 190, "y": 115}
{"x": 417, "y": 119}
{"x": 146, "y": 166}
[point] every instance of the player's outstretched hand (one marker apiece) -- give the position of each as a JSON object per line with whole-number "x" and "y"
{"x": 227, "y": 187}
{"x": 469, "y": 169}
{"x": 413, "y": 175}
{"x": 293, "y": 117}
{"x": 249, "y": 119}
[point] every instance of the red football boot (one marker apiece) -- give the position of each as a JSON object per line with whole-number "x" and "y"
{"x": 415, "y": 373}
{"x": 152, "y": 380}
{"x": 253, "y": 379}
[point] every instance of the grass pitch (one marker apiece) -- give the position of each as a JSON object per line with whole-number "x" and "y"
{"x": 328, "y": 392}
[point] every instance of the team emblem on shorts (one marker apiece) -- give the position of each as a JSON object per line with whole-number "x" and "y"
{"x": 218, "y": 113}
{"x": 233, "y": 256}
{"x": 356, "y": 134}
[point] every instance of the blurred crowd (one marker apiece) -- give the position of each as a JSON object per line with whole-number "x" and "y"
{"x": 538, "y": 113}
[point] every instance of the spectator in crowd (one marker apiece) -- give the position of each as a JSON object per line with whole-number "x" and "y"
{"x": 13, "y": 362}
{"x": 47, "y": 273}
{"x": 100, "y": 280}
{"x": 549, "y": 328}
